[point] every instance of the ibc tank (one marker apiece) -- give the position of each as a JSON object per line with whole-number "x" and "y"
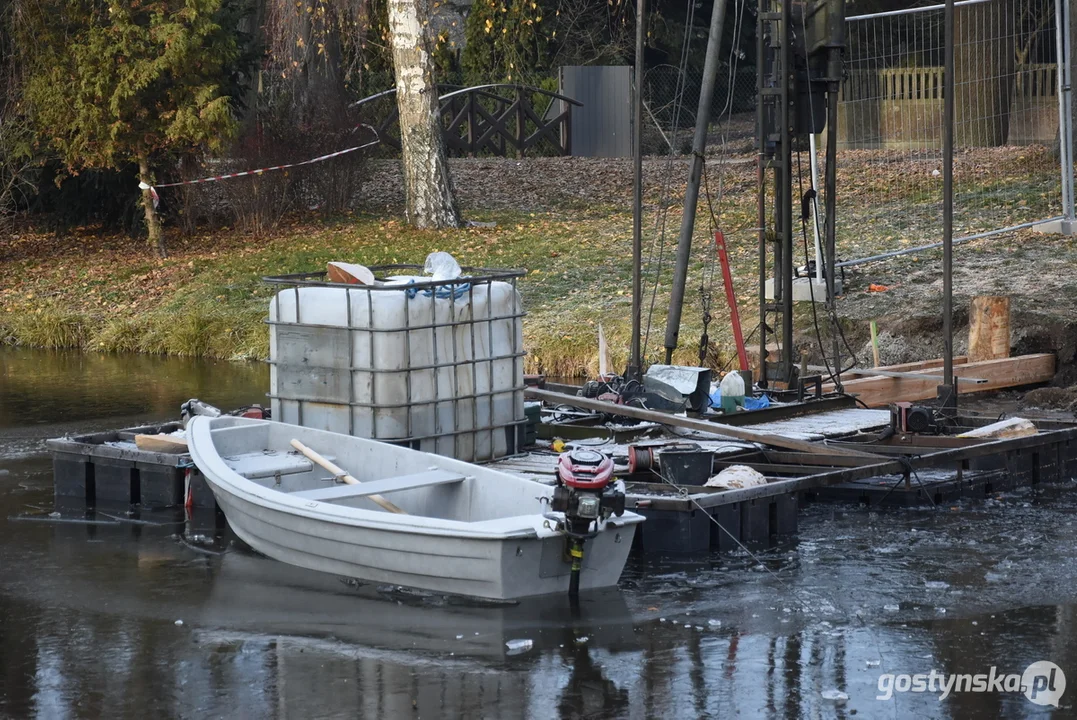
{"x": 434, "y": 365}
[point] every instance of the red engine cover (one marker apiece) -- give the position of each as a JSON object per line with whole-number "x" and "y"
{"x": 585, "y": 469}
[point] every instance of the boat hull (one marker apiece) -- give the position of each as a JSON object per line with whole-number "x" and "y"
{"x": 518, "y": 560}
{"x": 485, "y": 568}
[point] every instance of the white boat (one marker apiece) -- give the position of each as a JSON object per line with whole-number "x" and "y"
{"x": 467, "y": 530}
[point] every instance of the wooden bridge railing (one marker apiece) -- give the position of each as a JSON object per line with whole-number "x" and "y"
{"x": 489, "y": 119}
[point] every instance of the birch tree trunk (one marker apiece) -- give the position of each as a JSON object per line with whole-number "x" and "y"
{"x": 431, "y": 202}
{"x": 153, "y": 222}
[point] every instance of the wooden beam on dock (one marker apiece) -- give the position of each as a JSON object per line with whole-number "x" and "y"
{"x": 924, "y": 364}
{"x": 879, "y": 391}
{"x": 688, "y": 423}
{"x": 880, "y": 372}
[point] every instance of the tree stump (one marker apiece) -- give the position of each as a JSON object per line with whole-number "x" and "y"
{"x": 989, "y": 328}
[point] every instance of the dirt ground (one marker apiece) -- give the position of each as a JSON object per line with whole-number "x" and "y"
{"x": 1034, "y": 270}
{"x": 889, "y": 212}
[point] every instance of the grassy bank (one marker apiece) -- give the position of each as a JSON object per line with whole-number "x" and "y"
{"x": 207, "y": 299}
{"x": 567, "y": 222}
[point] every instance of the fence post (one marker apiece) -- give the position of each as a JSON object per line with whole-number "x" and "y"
{"x": 1065, "y": 106}
{"x": 502, "y": 117}
{"x": 566, "y": 129}
{"x": 1065, "y": 112}
{"x": 520, "y": 130}
{"x": 471, "y": 118}
{"x": 1066, "y": 225}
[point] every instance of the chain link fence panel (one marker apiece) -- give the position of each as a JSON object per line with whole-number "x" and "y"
{"x": 1006, "y": 167}
{"x": 671, "y": 101}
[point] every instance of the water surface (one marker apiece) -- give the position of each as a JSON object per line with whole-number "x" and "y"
{"x": 159, "y": 619}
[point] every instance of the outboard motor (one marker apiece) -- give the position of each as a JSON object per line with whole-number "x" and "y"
{"x": 587, "y": 494}
{"x": 194, "y": 407}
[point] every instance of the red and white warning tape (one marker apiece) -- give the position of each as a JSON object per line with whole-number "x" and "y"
{"x": 215, "y": 178}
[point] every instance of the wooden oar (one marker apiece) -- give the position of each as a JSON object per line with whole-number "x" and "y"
{"x": 741, "y": 433}
{"x": 342, "y": 476}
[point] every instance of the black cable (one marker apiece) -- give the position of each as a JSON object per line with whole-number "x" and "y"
{"x": 811, "y": 289}
{"x": 727, "y": 108}
{"x": 833, "y": 313}
{"x": 710, "y": 262}
{"x": 858, "y": 400}
{"x": 715, "y": 227}
{"x": 746, "y": 341}
{"x": 923, "y": 487}
{"x": 909, "y": 470}
{"x": 832, "y": 309}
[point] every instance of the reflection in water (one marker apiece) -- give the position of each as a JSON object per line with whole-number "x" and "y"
{"x": 39, "y": 386}
{"x": 89, "y": 612}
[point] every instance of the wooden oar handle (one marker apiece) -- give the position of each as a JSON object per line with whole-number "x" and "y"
{"x": 340, "y": 474}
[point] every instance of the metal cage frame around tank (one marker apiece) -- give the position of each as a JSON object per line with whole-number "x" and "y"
{"x": 457, "y": 288}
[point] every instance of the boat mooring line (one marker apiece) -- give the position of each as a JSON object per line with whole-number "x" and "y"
{"x": 907, "y": 464}
{"x": 776, "y": 576}
{"x": 180, "y": 539}
{"x": 135, "y": 521}
{"x": 684, "y": 493}
{"x": 59, "y": 520}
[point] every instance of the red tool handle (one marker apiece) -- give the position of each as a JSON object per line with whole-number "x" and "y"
{"x": 731, "y": 298}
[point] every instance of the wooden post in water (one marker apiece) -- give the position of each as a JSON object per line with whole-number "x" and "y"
{"x": 989, "y": 328}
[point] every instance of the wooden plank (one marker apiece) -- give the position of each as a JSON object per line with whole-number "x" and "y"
{"x": 826, "y": 425}
{"x": 809, "y": 482}
{"x": 772, "y": 469}
{"x": 1003, "y": 373}
{"x": 994, "y": 447}
{"x": 879, "y": 372}
{"x": 923, "y": 364}
{"x": 882, "y": 467}
{"x": 684, "y": 422}
{"x": 913, "y": 368}
{"x": 989, "y": 328}
{"x": 804, "y": 459}
{"x": 161, "y": 443}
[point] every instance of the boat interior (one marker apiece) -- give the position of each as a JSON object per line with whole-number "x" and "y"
{"x": 420, "y": 484}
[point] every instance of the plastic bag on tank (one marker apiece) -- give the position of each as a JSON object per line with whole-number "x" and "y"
{"x": 442, "y": 266}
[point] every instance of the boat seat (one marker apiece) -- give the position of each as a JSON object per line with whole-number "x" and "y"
{"x": 381, "y": 487}
{"x": 239, "y": 439}
{"x": 268, "y": 464}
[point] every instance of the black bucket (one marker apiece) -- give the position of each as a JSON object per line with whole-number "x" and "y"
{"x": 686, "y": 464}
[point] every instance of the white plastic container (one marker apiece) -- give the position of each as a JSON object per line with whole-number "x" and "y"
{"x": 437, "y": 368}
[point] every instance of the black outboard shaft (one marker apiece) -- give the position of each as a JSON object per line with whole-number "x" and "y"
{"x": 585, "y": 493}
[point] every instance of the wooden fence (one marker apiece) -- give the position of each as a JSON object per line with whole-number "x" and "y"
{"x": 901, "y": 108}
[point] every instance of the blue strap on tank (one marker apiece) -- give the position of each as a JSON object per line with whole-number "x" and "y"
{"x": 443, "y": 292}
